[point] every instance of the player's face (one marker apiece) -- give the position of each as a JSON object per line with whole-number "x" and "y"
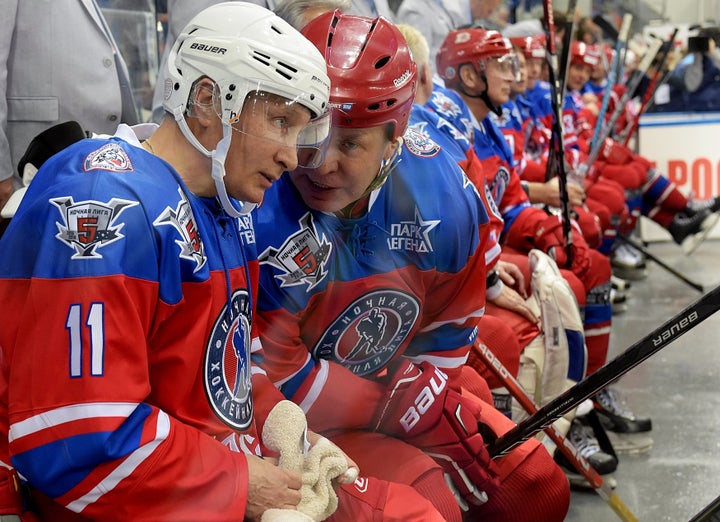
{"x": 263, "y": 145}
{"x": 500, "y": 74}
{"x": 520, "y": 86}
{"x": 577, "y": 76}
{"x": 352, "y": 162}
{"x": 534, "y": 70}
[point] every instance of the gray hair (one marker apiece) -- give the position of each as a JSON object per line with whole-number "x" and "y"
{"x": 294, "y": 11}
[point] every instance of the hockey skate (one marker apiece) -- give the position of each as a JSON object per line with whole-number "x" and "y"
{"x": 618, "y": 300}
{"x": 582, "y": 436}
{"x": 619, "y": 283}
{"x": 690, "y": 231}
{"x": 626, "y": 431}
{"x": 628, "y": 263}
{"x": 697, "y": 205}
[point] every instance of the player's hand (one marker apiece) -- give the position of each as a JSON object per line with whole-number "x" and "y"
{"x": 6, "y": 190}
{"x": 548, "y": 193}
{"x": 512, "y": 276}
{"x": 353, "y": 469}
{"x": 270, "y": 486}
{"x": 422, "y": 410}
{"x": 549, "y": 238}
{"x": 509, "y": 299}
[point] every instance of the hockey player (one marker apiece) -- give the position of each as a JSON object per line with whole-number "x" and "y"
{"x": 477, "y": 65}
{"x": 606, "y": 192}
{"x": 372, "y": 285}
{"x": 130, "y": 389}
{"x": 648, "y": 192}
{"x": 477, "y": 90}
{"x": 550, "y": 362}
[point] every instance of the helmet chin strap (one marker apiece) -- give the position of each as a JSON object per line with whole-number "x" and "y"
{"x": 217, "y": 158}
{"x": 483, "y": 96}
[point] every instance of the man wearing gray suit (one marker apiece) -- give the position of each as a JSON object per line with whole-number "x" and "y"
{"x": 61, "y": 63}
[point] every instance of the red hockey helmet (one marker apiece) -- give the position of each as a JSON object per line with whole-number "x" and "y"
{"x": 468, "y": 46}
{"x": 530, "y": 46}
{"x": 584, "y": 54}
{"x": 372, "y": 74}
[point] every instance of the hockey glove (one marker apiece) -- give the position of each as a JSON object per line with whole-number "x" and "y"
{"x": 422, "y": 410}
{"x": 615, "y": 153}
{"x": 550, "y": 239}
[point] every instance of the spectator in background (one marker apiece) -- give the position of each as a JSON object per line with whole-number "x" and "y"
{"x": 41, "y": 87}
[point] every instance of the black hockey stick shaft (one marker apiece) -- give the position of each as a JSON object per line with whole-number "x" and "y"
{"x": 710, "y": 513}
{"x": 563, "y": 444}
{"x": 660, "y": 263}
{"x": 557, "y": 146}
{"x": 571, "y": 20}
{"x": 652, "y": 343}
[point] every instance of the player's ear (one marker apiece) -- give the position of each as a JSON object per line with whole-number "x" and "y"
{"x": 470, "y": 78}
{"x": 202, "y": 103}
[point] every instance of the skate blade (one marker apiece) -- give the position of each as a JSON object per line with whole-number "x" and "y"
{"x": 630, "y": 443}
{"x": 578, "y": 482}
{"x": 691, "y": 243}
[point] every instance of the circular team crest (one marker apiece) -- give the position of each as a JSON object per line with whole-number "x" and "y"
{"x": 227, "y": 364}
{"x": 420, "y": 144}
{"x": 368, "y": 333}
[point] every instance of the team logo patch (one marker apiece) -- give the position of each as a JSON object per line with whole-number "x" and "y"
{"x": 182, "y": 219}
{"x": 445, "y": 106}
{"x": 368, "y": 333}
{"x": 418, "y": 141}
{"x": 110, "y": 157}
{"x": 227, "y": 364}
{"x": 412, "y": 236}
{"x": 301, "y": 258}
{"x": 448, "y": 127}
{"x": 499, "y": 183}
{"x": 89, "y": 225}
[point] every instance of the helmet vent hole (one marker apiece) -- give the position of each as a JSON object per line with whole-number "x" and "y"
{"x": 382, "y": 62}
{"x": 292, "y": 70}
{"x": 262, "y": 58}
{"x": 278, "y": 31}
{"x": 283, "y": 73}
{"x": 373, "y": 107}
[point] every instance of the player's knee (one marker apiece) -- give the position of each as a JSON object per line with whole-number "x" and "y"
{"x": 431, "y": 486}
{"x": 535, "y": 491}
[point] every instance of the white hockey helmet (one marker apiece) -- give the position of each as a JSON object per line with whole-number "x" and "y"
{"x": 239, "y": 44}
{"x": 244, "y": 49}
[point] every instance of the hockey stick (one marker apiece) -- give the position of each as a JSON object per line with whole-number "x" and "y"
{"x": 557, "y": 146}
{"x": 646, "y": 253}
{"x": 572, "y": 18}
{"x": 649, "y": 94}
{"x": 563, "y": 444}
{"x": 612, "y": 77}
{"x": 620, "y": 107}
{"x": 652, "y": 343}
{"x": 710, "y": 513}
